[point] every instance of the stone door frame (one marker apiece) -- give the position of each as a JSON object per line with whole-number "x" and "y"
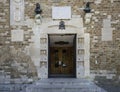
{"x": 73, "y": 26}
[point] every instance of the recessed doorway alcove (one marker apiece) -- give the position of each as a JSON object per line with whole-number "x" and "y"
{"x": 49, "y": 42}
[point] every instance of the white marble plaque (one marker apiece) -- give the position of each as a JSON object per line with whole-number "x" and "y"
{"x": 17, "y": 35}
{"x": 61, "y": 12}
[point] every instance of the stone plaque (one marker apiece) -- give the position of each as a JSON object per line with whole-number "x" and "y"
{"x": 61, "y": 12}
{"x": 107, "y": 34}
{"x": 107, "y": 30}
{"x": 16, "y": 12}
{"x": 106, "y": 23}
{"x": 17, "y": 35}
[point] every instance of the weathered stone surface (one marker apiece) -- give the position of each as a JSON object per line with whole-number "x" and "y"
{"x": 106, "y": 53}
{"x": 17, "y": 35}
{"x": 16, "y": 65}
{"x": 64, "y": 85}
{"x": 16, "y": 12}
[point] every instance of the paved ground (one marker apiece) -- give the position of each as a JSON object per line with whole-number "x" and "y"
{"x": 108, "y": 85}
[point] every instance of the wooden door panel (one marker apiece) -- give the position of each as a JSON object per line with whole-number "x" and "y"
{"x": 61, "y": 60}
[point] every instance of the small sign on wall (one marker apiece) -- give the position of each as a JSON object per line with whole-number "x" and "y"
{"x": 61, "y": 12}
{"x": 17, "y": 35}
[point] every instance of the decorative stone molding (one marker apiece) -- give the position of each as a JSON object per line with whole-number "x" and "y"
{"x": 41, "y": 33}
{"x": 16, "y": 12}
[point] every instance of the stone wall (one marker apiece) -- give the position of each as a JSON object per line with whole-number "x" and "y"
{"x": 46, "y": 6}
{"x": 16, "y": 65}
{"x": 4, "y": 23}
{"x": 105, "y": 54}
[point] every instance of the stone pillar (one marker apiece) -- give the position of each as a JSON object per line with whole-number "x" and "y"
{"x": 43, "y": 55}
{"x": 80, "y": 56}
{"x": 35, "y": 48}
{"x": 87, "y": 55}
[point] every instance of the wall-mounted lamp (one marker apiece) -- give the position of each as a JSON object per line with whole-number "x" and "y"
{"x": 87, "y": 8}
{"x": 88, "y": 14}
{"x": 38, "y": 11}
{"x": 62, "y": 25}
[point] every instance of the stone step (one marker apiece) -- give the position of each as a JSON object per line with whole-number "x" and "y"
{"x": 63, "y": 81}
{"x": 12, "y": 87}
{"x": 64, "y": 85}
{"x": 66, "y": 90}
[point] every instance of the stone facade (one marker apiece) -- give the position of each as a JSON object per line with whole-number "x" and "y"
{"x": 104, "y": 51}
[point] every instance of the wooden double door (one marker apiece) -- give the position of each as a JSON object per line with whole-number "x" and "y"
{"x": 62, "y": 63}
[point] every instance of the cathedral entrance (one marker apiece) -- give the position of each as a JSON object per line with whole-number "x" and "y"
{"x": 62, "y": 55}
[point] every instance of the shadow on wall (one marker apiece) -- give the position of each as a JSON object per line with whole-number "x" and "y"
{"x": 17, "y": 64}
{"x": 110, "y": 85}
